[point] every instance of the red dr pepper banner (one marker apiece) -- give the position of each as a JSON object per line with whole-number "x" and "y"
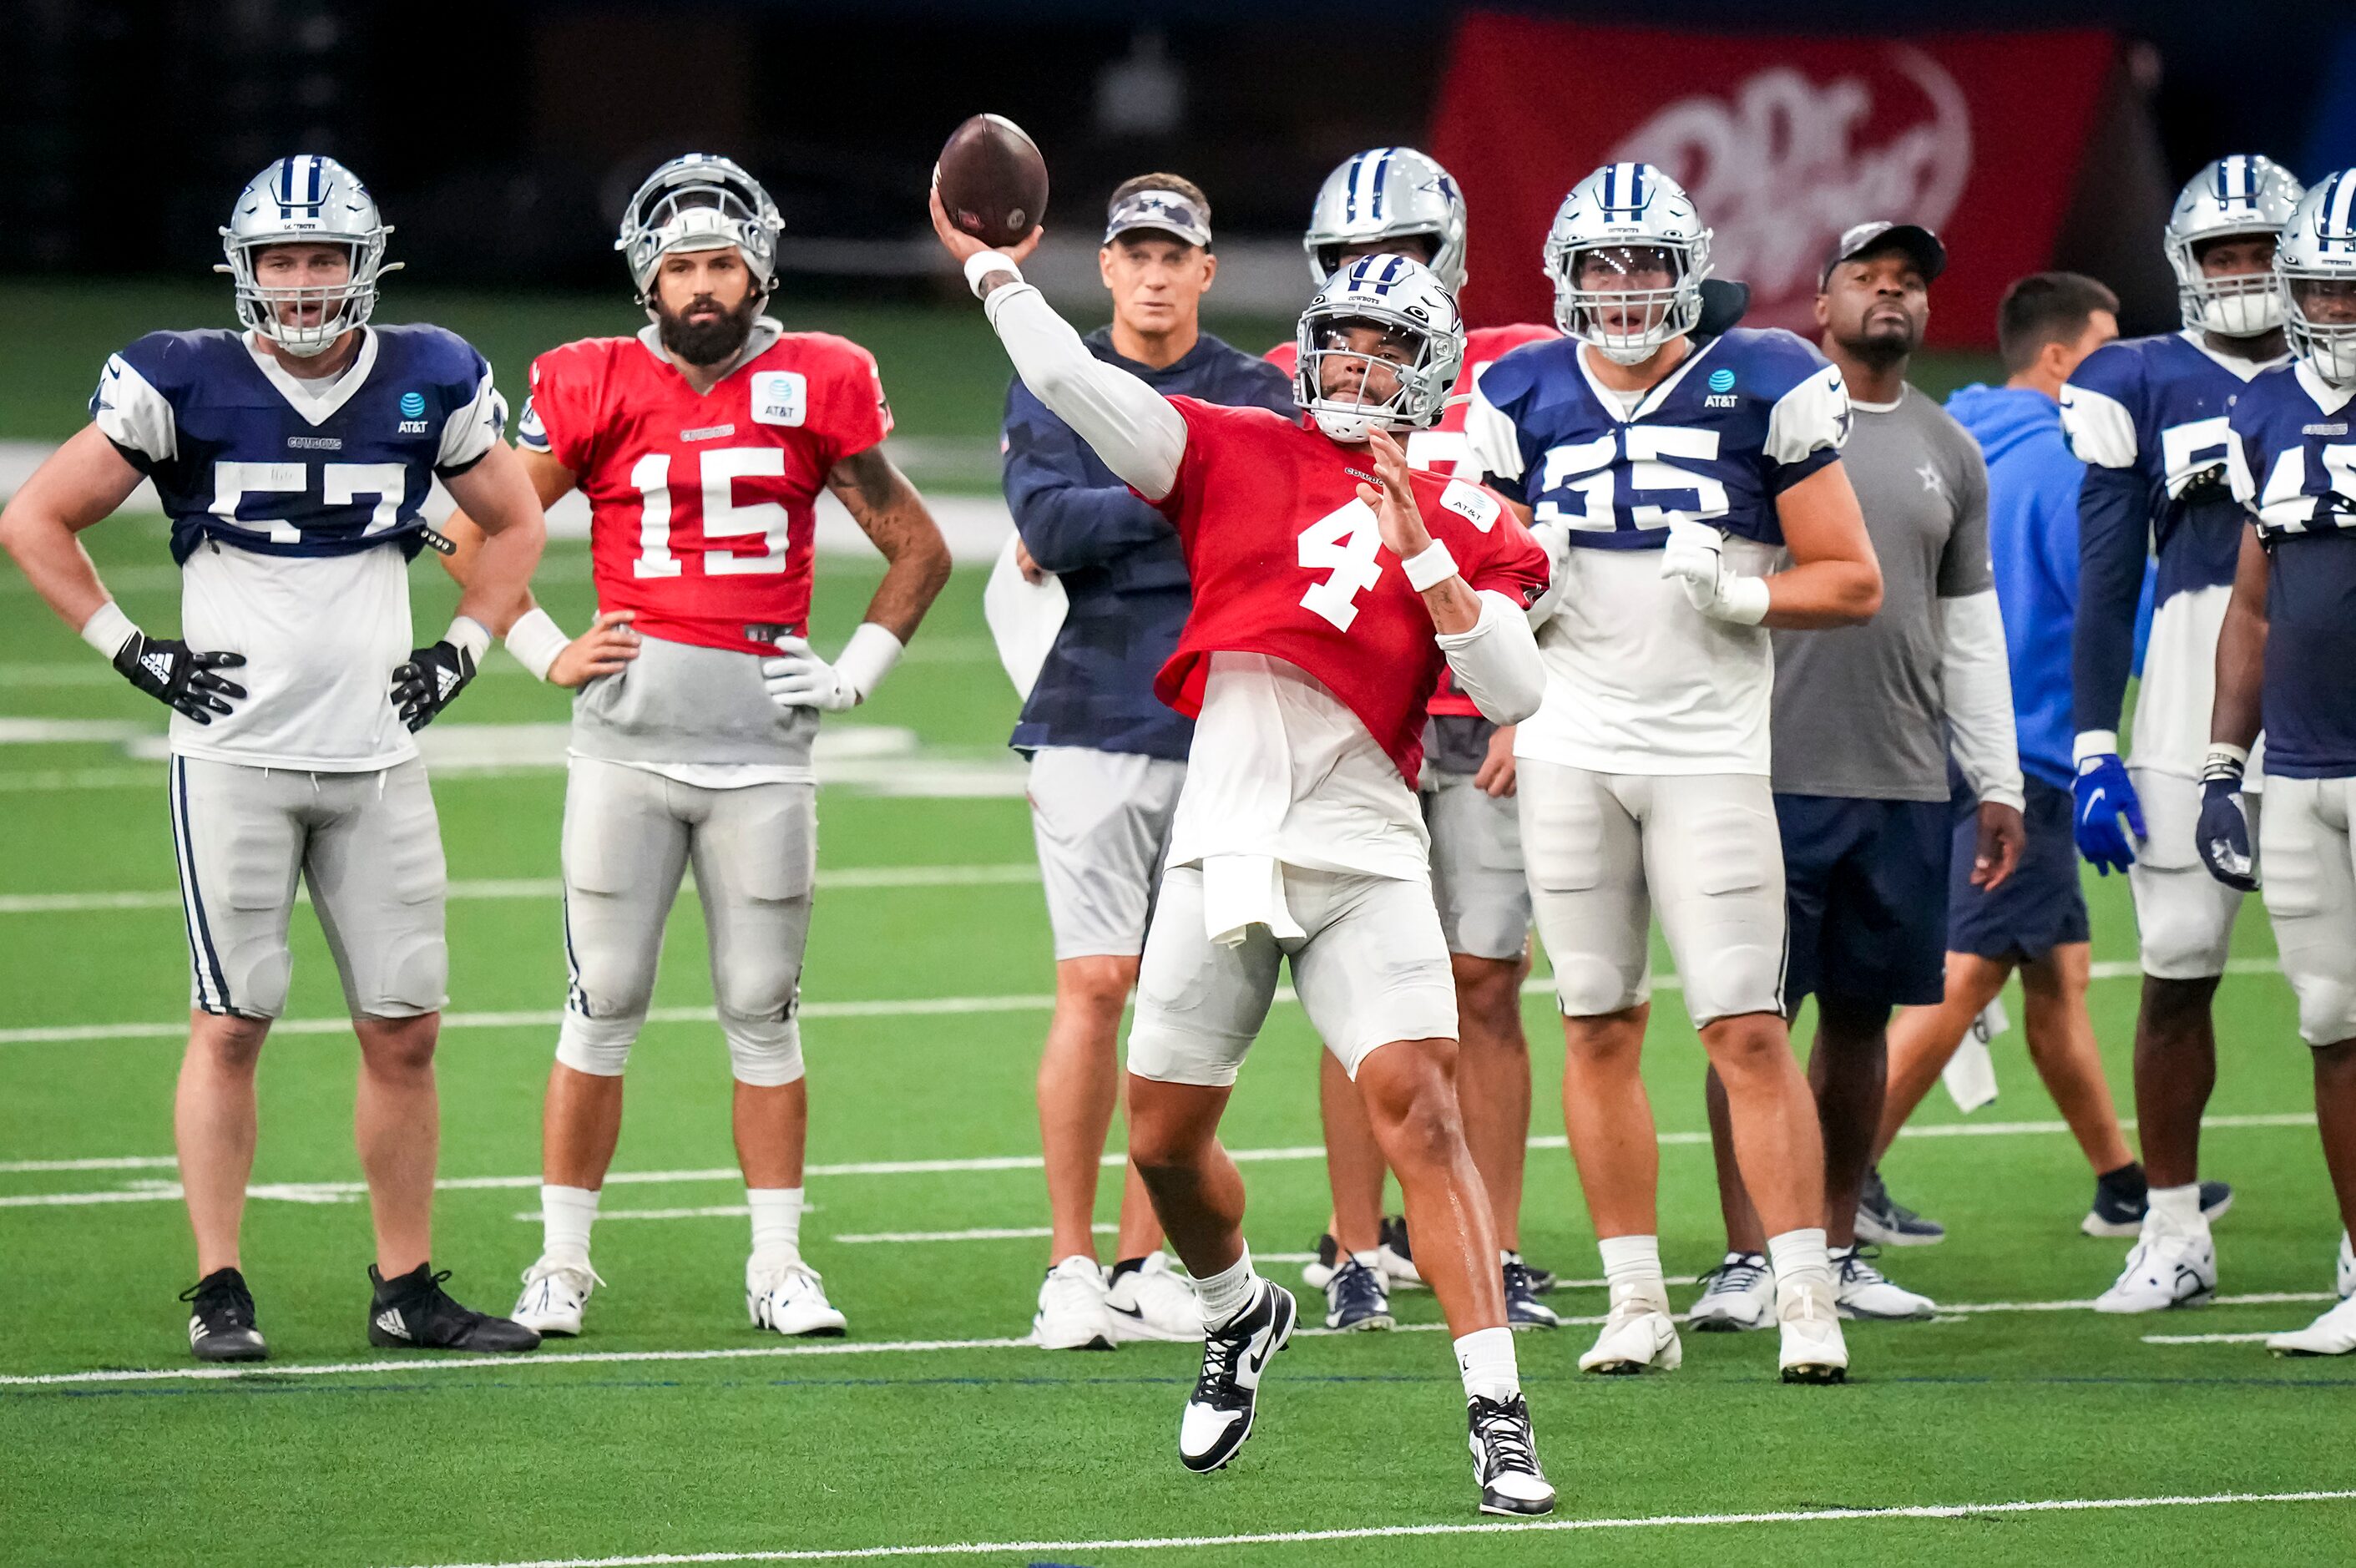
{"x": 1783, "y": 143}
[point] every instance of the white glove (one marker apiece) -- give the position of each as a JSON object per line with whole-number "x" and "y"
{"x": 1696, "y": 556}
{"x": 798, "y": 678}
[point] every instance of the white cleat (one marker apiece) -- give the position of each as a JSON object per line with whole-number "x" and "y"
{"x": 1860, "y": 1290}
{"x": 2333, "y": 1334}
{"x": 1226, "y": 1401}
{"x": 2164, "y": 1269}
{"x": 1152, "y": 1301}
{"x": 790, "y": 1298}
{"x": 1072, "y": 1314}
{"x": 554, "y": 1295}
{"x": 1738, "y": 1294}
{"x": 1813, "y": 1350}
{"x": 1637, "y": 1337}
{"x": 1506, "y": 1458}
{"x": 2345, "y": 1279}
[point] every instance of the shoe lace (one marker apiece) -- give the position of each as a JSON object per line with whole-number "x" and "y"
{"x": 1856, "y": 1266}
{"x": 1506, "y": 1442}
{"x": 1354, "y": 1285}
{"x": 1738, "y": 1272}
{"x": 1517, "y": 1279}
{"x": 1216, "y": 1383}
{"x": 227, "y": 1297}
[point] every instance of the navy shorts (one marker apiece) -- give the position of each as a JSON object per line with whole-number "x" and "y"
{"x": 2039, "y": 906}
{"x": 1865, "y": 889}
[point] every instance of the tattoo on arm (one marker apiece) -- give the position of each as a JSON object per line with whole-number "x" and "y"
{"x": 887, "y": 508}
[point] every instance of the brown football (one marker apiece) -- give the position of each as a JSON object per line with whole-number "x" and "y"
{"x": 994, "y": 183}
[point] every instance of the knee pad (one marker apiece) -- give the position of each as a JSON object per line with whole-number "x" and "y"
{"x": 2184, "y": 927}
{"x": 2327, "y": 1010}
{"x": 1588, "y": 987}
{"x": 599, "y": 1047}
{"x": 764, "y": 1052}
{"x": 415, "y": 980}
{"x": 257, "y": 976}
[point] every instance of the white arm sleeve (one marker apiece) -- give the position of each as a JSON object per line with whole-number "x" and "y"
{"x": 1133, "y": 427}
{"x": 1496, "y": 663}
{"x": 1977, "y": 686}
{"x": 1554, "y": 538}
{"x": 133, "y": 414}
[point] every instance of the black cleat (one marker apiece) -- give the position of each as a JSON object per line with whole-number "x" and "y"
{"x": 414, "y": 1312}
{"x": 1399, "y": 1259}
{"x": 1328, "y": 1255}
{"x": 1220, "y": 1414}
{"x": 1886, "y": 1222}
{"x": 1506, "y": 1458}
{"x": 1523, "y": 1307}
{"x": 220, "y": 1319}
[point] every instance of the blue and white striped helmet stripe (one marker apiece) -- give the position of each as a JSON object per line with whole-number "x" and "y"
{"x": 2233, "y": 182}
{"x": 2338, "y": 210}
{"x": 1378, "y": 183}
{"x": 1623, "y": 188}
{"x": 1350, "y": 186}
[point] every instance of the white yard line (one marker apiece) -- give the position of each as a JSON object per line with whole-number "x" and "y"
{"x": 334, "y": 1191}
{"x": 842, "y": 878}
{"x": 1396, "y": 1531}
{"x": 916, "y": 1007}
{"x": 2210, "y": 1338}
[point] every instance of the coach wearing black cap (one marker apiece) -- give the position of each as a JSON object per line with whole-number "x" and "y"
{"x": 1107, "y": 757}
{"x": 1862, "y": 722}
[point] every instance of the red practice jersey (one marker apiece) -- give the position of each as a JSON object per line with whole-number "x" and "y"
{"x": 1444, "y": 447}
{"x": 703, "y": 508}
{"x": 1287, "y": 561}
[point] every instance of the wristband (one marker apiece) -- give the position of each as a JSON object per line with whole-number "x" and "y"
{"x": 1742, "y": 598}
{"x": 867, "y": 658}
{"x": 108, "y": 629}
{"x": 536, "y": 639}
{"x": 989, "y": 264}
{"x": 470, "y": 634}
{"x": 2093, "y": 743}
{"x": 1429, "y": 567}
{"x": 2225, "y": 761}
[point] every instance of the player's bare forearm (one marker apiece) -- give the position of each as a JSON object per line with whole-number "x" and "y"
{"x": 889, "y": 511}
{"x": 2242, "y": 650}
{"x": 1835, "y": 578}
{"x": 551, "y": 482}
{"x": 497, "y": 496}
{"x": 1454, "y": 607}
{"x": 80, "y": 483}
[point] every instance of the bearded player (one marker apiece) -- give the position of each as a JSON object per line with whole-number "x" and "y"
{"x": 1327, "y": 596}
{"x": 701, "y": 444}
{"x": 1399, "y": 200}
{"x": 1679, "y": 472}
{"x": 2149, "y": 418}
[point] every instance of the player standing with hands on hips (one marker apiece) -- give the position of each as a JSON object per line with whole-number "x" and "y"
{"x": 293, "y": 460}
{"x": 1328, "y": 592}
{"x": 703, "y": 443}
{"x": 2284, "y": 656}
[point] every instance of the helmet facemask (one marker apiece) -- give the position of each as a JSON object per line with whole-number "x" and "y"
{"x": 1627, "y": 326}
{"x": 2231, "y": 305}
{"x": 2319, "y": 320}
{"x": 699, "y": 203}
{"x": 277, "y": 313}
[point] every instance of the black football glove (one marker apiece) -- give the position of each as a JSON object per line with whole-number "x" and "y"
{"x": 2223, "y": 833}
{"x": 2208, "y": 484}
{"x": 426, "y": 684}
{"x": 179, "y": 677}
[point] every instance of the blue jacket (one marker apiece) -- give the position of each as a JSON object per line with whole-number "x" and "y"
{"x": 1120, "y": 560}
{"x": 2034, "y": 488}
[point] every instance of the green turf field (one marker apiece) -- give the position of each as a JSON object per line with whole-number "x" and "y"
{"x": 672, "y": 1428}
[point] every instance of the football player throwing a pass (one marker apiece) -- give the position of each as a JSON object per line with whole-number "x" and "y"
{"x": 2283, "y": 656}
{"x": 293, "y": 459}
{"x": 1398, "y": 200}
{"x": 2149, "y": 418}
{"x": 1672, "y": 474}
{"x": 1330, "y": 583}
{"x": 703, "y": 443}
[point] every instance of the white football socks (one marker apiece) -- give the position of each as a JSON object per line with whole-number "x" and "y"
{"x": 1632, "y": 1265}
{"x": 1800, "y": 1257}
{"x": 777, "y": 1221}
{"x": 567, "y": 1215}
{"x": 2176, "y": 1209}
{"x": 1229, "y": 1292}
{"x": 1486, "y": 1357}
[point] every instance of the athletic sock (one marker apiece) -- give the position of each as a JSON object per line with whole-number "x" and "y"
{"x": 566, "y": 1214}
{"x": 777, "y": 1221}
{"x": 1632, "y": 1264}
{"x": 1800, "y": 1257}
{"x": 2127, "y": 1181}
{"x": 1486, "y": 1357}
{"x": 1372, "y": 1257}
{"x": 2176, "y": 1209}
{"x": 1227, "y": 1292}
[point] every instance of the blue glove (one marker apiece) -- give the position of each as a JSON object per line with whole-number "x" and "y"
{"x": 2223, "y": 834}
{"x": 2103, "y": 794}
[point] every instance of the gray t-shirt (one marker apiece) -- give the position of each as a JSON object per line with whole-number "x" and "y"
{"x": 1857, "y": 710}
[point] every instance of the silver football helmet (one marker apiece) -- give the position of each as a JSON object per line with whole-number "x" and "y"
{"x": 2316, "y": 261}
{"x": 2241, "y": 195}
{"x": 699, "y": 202}
{"x": 1418, "y": 318}
{"x": 1618, "y": 214}
{"x": 1387, "y": 193}
{"x": 304, "y": 199}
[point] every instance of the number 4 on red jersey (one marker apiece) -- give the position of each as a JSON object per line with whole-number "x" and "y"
{"x": 702, "y": 508}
